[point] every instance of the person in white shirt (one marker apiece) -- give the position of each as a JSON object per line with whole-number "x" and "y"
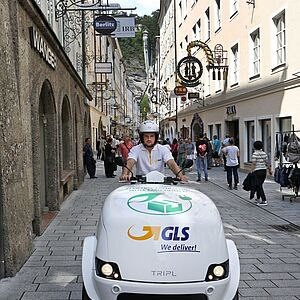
{"x": 149, "y": 155}
{"x": 232, "y": 154}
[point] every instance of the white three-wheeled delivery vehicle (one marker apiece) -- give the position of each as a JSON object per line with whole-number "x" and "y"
{"x": 159, "y": 241}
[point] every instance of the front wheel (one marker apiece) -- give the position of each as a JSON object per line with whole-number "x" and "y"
{"x": 236, "y": 297}
{"x": 84, "y": 294}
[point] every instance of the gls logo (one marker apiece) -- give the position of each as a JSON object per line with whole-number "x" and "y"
{"x": 169, "y": 233}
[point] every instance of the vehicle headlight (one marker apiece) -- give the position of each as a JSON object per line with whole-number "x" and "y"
{"x": 109, "y": 270}
{"x": 217, "y": 271}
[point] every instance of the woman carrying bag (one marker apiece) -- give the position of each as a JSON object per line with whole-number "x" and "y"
{"x": 259, "y": 168}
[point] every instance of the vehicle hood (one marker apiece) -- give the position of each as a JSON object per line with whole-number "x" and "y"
{"x": 159, "y": 233}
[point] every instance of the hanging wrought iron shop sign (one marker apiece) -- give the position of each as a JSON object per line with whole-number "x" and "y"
{"x": 105, "y": 24}
{"x": 190, "y": 70}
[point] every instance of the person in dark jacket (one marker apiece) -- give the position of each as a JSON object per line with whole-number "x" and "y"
{"x": 109, "y": 160}
{"x": 201, "y": 161}
{"x": 88, "y": 158}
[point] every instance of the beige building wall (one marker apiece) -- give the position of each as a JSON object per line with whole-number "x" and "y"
{"x": 261, "y": 102}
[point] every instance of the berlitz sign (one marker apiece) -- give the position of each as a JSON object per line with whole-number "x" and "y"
{"x": 39, "y": 45}
{"x": 105, "y": 24}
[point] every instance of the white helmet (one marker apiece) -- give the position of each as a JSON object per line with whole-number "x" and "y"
{"x": 148, "y": 126}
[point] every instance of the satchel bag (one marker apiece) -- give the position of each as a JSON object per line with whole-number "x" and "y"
{"x": 248, "y": 182}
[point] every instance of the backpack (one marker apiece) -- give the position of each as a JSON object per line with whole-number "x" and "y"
{"x": 202, "y": 148}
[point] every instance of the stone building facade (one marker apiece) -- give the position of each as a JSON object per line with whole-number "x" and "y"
{"x": 44, "y": 118}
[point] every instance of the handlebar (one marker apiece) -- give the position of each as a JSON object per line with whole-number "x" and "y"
{"x": 142, "y": 179}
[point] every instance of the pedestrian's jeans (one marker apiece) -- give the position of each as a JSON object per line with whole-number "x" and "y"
{"x": 233, "y": 170}
{"x": 202, "y": 164}
{"x": 260, "y": 176}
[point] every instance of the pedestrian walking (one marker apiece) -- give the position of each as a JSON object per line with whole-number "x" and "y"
{"x": 225, "y": 144}
{"x": 201, "y": 161}
{"x": 124, "y": 147}
{"x": 216, "y": 145}
{"x": 259, "y": 168}
{"x": 174, "y": 149}
{"x": 88, "y": 158}
{"x": 109, "y": 160}
{"x": 232, "y": 154}
{"x": 181, "y": 153}
{"x": 209, "y": 152}
{"x": 190, "y": 150}
{"x": 98, "y": 148}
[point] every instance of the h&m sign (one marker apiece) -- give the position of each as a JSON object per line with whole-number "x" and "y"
{"x": 39, "y": 45}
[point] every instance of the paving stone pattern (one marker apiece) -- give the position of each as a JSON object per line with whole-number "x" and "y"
{"x": 269, "y": 256}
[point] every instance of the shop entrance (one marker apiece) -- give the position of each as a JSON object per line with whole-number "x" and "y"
{"x": 232, "y": 129}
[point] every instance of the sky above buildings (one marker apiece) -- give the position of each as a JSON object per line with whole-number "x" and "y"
{"x": 144, "y": 7}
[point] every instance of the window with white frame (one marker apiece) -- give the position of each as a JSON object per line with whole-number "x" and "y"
{"x": 186, "y": 39}
{"x": 180, "y": 11}
{"x": 181, "y": 50}
{"x": 250, "y": 138}
{"x": 280, "y": 39}
{"x": 207, "y": 86}
{"x": 234, "y": 64}
{"x": 198, "y": 30}
{"x": 195, "y": 32}
{"x": 233, "y": 7}
{"x": 207, "y": 15}
{"x": 50, "y": 11}
{"x": 218, "y": 131}
{"x": 185, "y": 8}
{"x": 218, "y": 14}
{"x": 210, "y": 132}
{"x": 255, "y": 53}
{"x": 266, "y": 135}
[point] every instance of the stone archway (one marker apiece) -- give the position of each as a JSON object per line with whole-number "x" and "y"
{"x": 66, "y": 135}
{"x": 45, "y": 163}
{"x": 78, "y": 132}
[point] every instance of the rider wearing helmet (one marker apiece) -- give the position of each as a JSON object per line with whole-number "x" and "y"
{"x": 149, "y": 155}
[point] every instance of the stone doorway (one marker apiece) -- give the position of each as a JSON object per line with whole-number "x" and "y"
{"x": 44, "y": 156}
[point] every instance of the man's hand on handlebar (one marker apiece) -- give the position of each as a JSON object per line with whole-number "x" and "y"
{"x": 125, "y": 177}
{"x": 183, "y": 178}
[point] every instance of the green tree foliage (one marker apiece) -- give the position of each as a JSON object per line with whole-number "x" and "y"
{"x": 132, "y": 48}
{"x": 145, "y": 107}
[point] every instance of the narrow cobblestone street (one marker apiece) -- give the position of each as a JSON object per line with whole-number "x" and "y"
{"x": 268, "y": 240}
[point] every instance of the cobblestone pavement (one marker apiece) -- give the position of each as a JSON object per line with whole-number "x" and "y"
{"x": 268, "y": 240}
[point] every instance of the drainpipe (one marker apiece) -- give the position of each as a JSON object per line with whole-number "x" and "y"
{"x": 175, "y": 56}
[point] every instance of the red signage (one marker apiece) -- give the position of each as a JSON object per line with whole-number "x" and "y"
{"x": 180, "y": 90}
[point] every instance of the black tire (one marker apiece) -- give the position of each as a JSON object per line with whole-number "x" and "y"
{"x": 236, "y": 297}
{"x": 84, "y": 294}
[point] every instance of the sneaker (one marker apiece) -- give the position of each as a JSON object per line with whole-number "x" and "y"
{"x": 235, "y": 187}
{"x": 198, "y": 180}
{"x": 206, "y": 179}
{"x": 263, "y": 203}
{"x": 230, "y": 187}
{"x": 257, "y": 200}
